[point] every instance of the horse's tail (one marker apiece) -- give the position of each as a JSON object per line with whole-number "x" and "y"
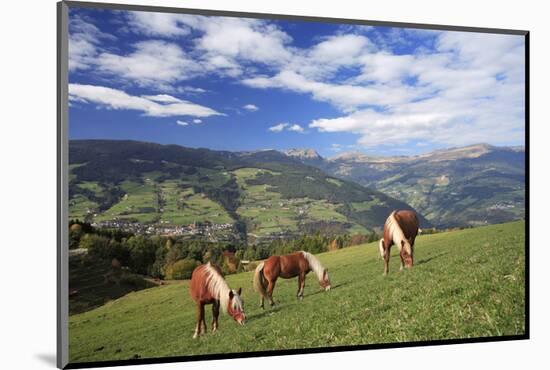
{"x": 381, "y": 247}
{"x": 259, "y": 280}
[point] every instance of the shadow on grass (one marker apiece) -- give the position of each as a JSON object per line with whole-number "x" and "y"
{"x": 421, "y": 262}
{"x": 266, "y": 312}
{"x": 331, "y": 288}
{"x": 279, "y": 306}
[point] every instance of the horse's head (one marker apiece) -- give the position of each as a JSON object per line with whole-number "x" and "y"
{"x": 235, "y": 306}
{"x": 325, "y": 281}
{"x": 406, "y": 253}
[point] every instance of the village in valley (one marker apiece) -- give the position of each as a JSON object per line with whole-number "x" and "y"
{"x": 210, "y": 231}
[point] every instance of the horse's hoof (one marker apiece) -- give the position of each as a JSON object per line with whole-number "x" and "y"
{"x": 195, "y": 336}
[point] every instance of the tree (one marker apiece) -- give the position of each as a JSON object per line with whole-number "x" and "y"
{"x": 181, "y": 269}
{"x": 142, "y": 254}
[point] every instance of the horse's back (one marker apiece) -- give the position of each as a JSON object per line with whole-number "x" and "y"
{"x": 285, "y": 266}
{"x": 408, "y": 222}
{"x": 272, "y": 266}
{"x": 198, "y": 287}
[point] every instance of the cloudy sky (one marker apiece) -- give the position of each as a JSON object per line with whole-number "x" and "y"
{"x": 247, "y": 84}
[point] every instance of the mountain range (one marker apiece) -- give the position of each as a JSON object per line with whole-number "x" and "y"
{"x": 464, "y": 186}
{"x": 255, "y": 195}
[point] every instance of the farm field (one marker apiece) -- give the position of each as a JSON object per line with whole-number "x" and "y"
{"x": 465, "y": 284}
{"x": 268, "y": 212}
{"x": 171, "y": 186}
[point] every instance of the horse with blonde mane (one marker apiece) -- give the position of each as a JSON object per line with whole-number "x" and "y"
{"x": 209, "y": 287}
{"x": 286, "y": 267}
{"x": 401, "y": 229}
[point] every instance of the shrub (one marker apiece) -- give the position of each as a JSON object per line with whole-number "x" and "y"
{"x": 252, "y": 266}
{"x": 181, "y": 269}
{"x": 231, "y": 263}
{"x": 97, "y": 246}
{"x": 133, "y": 280}
{"x": 142, "y": 254}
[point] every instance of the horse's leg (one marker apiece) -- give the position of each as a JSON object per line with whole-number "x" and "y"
{"x": 200, "y": 314}
{"x": 215, "y": 314}
{"x": 387, "y": 253}
{"x": 302, "y": 284}
{"x": 402, "y": 263}
{"x": 270, "y": 287}
{"x": 203, "y": 320}
{"x": 262, "y": 302}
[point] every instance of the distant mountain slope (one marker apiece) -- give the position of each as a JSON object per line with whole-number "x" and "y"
{"x": 471, "y": 185}
{"x": 261, "y": 194}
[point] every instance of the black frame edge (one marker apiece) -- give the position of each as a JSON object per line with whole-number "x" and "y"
{"x": 230, "y": 13}
{"x": 62, "y": 337}
{"x": 289, "y": 352}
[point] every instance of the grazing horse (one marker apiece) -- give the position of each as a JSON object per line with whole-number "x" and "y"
{"x": 288, "y": 266}
{"x": 209, "y": 287}
{"x": 401, "y": 229}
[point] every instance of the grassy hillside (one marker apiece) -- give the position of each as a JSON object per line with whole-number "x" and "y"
{"x": 95, "y": 282}
{"x": 268, "y": 192}
{"x": 465, "y": 284}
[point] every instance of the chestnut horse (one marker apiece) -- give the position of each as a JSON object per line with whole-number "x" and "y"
{"x": 209, "y": 287}
{"x": 288, "y": 266}
{"x": 401, "y": 228}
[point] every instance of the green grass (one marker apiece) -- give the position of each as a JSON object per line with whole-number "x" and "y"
{"x": 270, "y": 213}
{"x": 81, "y": 206}
{"x": 97, "y": 283}
{"x": 193, "y": 207}
{"x": 465, "y": 284}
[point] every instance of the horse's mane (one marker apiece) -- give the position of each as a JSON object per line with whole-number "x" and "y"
{"x": 396, "y": 233}
{"x": 219, "y": 289}
{"x": 314, "y": 264}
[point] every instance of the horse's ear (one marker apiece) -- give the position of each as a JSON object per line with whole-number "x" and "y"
{"x": 231, "y": 295}
{"x": 239, "y": 291}
{"x": 402, "y": 243}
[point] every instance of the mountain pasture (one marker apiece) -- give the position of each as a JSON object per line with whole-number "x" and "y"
{"x": 466, "y": 283}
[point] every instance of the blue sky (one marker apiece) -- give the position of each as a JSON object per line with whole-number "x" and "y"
{"x": 247, "y": 84}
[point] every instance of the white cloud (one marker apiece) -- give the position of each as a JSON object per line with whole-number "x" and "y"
{"x": 278, "y": 128}
{"x": 158, "y": 24}
{"x": 384, "y": 67}
{"x": 197, "y": 120}
{"x": 152, "y": 63}
{"x": 345, "y": 97}
{"x": 288, "y": 127}
{"x": 155, "y": 106}
{"x": 182, "y": 123}
{"x": 251, "y": 107}
{"x": 341, "y": 49}
{"x": 474, "y": 99}
{"x": 451, "y": 87}
{"x": 84, "y": 39}
{"x": 162, "y": 98}
{"x": 240, "y": 38}
{"x": 223, "y": 44}
{"x": 459, "y": 93}
{"x": 296, "y": 128}
{"x": 190, "y": 90}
